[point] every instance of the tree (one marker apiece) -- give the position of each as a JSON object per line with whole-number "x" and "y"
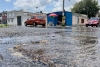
{"x": 88, "y": 7}
{"x": 41, "y": 12}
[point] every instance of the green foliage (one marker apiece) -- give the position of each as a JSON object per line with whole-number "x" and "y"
{"x": 88, "y": 7}
{"x": 52, "y": 16}
{"x": 3, "y": 25}
{"x": 63, "y": 17}
{"x": 63, "y": 24}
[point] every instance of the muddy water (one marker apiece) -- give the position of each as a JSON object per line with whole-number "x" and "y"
{"x": 34, "y": 47}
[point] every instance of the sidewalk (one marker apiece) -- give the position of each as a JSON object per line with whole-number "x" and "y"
{"x": 60, "y": 27}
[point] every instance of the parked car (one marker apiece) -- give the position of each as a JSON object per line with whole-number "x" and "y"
{"x": 35, "y": 20}
{"x": 94, "y": 21}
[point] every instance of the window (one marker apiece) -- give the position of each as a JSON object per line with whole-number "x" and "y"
{"x": 82, "y": 20}
{"x": 11, "y": 20}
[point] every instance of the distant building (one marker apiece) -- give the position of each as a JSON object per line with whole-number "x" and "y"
{"x": 3, "y": 17}
{"x": 70, "y": 18}
{"x": 15, "y": 17}
{"x": 79, "y": 19}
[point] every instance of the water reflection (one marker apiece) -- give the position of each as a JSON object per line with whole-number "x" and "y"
{"x": 86, "y": 45}
{"x": 84, "y": 29}
{"x": 76, "y": 47}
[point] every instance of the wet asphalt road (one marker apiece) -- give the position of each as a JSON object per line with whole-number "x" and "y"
{"x": 70, "y": 47}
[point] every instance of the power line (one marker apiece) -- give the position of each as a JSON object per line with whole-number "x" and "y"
{"x": 45, "y": 4}
{"x": 48, "y": 3}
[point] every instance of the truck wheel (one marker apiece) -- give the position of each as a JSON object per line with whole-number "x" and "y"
{"x": 86, "y": 25}
{"x": 25, "y": 24}
{"x": 97, "y": 25}
{"x": 43, "y": 25}
{"x": 34, "y": 24}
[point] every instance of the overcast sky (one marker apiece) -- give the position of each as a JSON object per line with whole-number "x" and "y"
{"x": 30, "y": 5}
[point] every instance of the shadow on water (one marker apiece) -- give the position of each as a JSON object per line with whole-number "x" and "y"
{"x": 85, "y": 41}
{"x": 80, "y": 29}
{"x": 84, "y": 48}
{"x": 87, "y": 44}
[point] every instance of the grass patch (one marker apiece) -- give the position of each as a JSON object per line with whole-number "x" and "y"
{"x": 3, "y": 25}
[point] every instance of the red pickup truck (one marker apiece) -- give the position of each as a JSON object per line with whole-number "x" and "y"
{"x": 35, "y": 20}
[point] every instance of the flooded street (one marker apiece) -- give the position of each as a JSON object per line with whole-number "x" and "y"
{"x": 50, "y": 47}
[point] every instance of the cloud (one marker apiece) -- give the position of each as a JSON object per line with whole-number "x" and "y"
{"x": 31, "y": 4}
{"x": 77, "y": 0}
{"x": 60, "y": 9}
{"x": 59, "y": 5}
{"x": 7, "y": 0}
{"x": 99, "y": 2}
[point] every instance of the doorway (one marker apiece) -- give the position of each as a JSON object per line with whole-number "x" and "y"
{"x": 59, "y": 21}
{"x": 19, "y": 20}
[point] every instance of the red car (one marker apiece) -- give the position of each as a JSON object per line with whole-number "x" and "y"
{"x": 35, "y": 20}
{"x": 94, "y": 21}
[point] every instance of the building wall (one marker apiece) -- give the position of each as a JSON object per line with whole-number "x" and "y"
{"x": 77, "y": 19}
{"x": 80, "y": 21}
{"x": 68, "y": 18}
{"x": 12, "y": 17}
{"x": 53, "y": 20}
{"x": 74, "y": 20}
{"x": 12, "y": 21}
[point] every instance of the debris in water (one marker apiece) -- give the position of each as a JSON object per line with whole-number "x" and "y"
{"x": 1, "y": 57}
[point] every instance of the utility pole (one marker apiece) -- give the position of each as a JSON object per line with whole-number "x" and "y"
{"x": 63, "y": 8}
{"x": 63, "y": 12}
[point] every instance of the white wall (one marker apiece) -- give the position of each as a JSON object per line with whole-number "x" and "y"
{"x": 75, "y": 18}
{"x": 24, "y": 16}
{"x": 14, "y": 14}
{"x": 12, "y": 23}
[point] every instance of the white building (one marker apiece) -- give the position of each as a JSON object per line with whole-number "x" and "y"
{"x": 79, "y": 19}
{"x": 17, "y": 17}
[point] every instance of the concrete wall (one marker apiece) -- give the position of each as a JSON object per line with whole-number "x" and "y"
{"x": 12, "y": 15}
{"x": 12, "y": 21}
{"x": 77, "y": 19}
